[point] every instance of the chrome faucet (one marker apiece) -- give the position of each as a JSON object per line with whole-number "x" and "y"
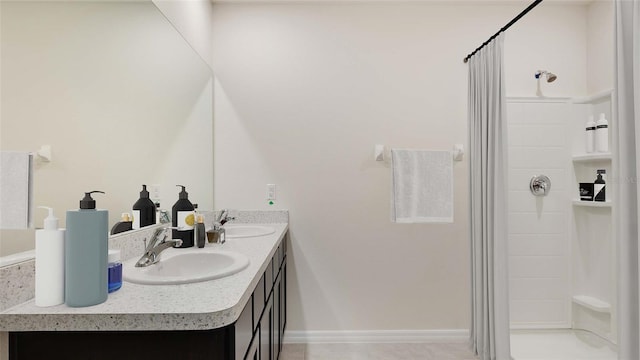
{"x": 223, "y": 218}
{"x": 156, "y": 246}
{"x": 217, "y": 233}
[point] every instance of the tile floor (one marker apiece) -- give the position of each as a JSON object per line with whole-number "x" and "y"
{"x": 560, "y": 345}
{"x": 525, "y": 345}
{"x": 422, "y": 351}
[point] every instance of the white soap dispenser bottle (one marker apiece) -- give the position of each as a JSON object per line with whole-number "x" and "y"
{"x": 49, "y": 262}
{"x": 602, "y": 134}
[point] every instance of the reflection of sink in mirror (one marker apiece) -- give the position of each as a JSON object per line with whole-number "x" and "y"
{"x": 244, "y": 231}
{"x": 183, "y": 266}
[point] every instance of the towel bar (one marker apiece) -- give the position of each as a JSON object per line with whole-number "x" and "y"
{"x": 381, "y": 153}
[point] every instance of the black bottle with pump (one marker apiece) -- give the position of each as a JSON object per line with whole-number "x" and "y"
{"x": 182, "y": 216}
{"x": 144, "y": 210}
{"x": 599, "y": 187}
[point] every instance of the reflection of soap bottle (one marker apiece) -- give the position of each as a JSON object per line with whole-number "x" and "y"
{"x": 49, "y": 262}
{"x": 599, "y": 187}
{"x": 144, "y": 210}
{"x": 86, "y": 254}
{"x": 123, "y": 225}
{"x": 590, "y": 139}
{"x": 183, "y": 218}
{"x": 200, "y": 233}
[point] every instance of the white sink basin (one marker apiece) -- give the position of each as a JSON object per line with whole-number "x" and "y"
{"x": 244, "y": 231}
{"x": 183, "y": 266}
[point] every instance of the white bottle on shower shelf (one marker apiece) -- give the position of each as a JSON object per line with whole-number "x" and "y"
{"x": 602, "y": 134}
{"x": 590, "y": 138}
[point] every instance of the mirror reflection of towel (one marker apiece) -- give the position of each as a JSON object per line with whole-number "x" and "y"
{"x": 422, "y": 182}
{"x": 16, "y": 190}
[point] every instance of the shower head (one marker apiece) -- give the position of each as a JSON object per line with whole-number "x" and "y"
{"x": 551, "y": 77}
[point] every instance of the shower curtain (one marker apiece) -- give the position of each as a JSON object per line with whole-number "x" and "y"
{"x": 627, "y": 107}
{"x": 489, "y": 333}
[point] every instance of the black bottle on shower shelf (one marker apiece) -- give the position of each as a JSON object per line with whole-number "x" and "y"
{"x": 144, "y": 210}
{"x": 182, "y": 217}
{"x": 599, "y": 187}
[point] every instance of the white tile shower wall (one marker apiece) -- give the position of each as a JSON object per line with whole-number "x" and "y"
{"x": 539, "y": 258}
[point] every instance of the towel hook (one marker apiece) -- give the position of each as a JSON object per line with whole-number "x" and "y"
{"x": 44, "y": 154}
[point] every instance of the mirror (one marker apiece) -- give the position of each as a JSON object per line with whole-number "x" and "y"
{"x": 120, "y": 96}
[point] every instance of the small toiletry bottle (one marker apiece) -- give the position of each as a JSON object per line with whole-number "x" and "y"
{"x": 200, "y": 233}
{"x": 49, "y": 262}
{"x": 602, "y": 134}
{"x": 114, "y": 271}
{"x": 125, "y": 224}
{"x": 158, "y": 221}
{"x": 599, "y": 187}
{"x": 86, "y": 254}
{"x": 590, "y": 138}
{"x": 144, "y": 210}
{"x": 162, "y": 215}
{"x": 183, "y": 218}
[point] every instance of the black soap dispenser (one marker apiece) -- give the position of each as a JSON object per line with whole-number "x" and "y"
{"x": 182, "y": 217}
{"x": 599, "y": 187}
{"x": 144, "y": 210}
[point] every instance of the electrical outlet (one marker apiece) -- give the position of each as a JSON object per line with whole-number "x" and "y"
{"x": 154, "y": 191}
{"x": 271, "y": 191}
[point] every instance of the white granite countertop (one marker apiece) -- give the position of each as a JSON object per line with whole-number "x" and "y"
{"x": 198, "y": 306}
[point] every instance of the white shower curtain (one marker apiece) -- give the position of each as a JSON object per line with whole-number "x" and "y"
{"x": 489, "y": 333}
{"x": 627, "y": 198}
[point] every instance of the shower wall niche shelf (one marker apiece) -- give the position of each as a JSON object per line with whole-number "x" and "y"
{"x": 593, "y": 242}
{"x": 592, "y": 303}
{"x": 598, "y": 204}
{"x": 592, "y": 157}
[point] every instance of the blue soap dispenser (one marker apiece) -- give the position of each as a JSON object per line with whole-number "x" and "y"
{"x": 86, "y": 251}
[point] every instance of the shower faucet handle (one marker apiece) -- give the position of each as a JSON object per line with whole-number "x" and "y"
{"x": 540, "y": 185}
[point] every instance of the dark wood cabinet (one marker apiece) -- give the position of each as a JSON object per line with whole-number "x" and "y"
{"x": 256, "y": 335}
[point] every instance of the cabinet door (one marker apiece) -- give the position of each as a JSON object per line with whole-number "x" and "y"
{"x": 268, "y": 279}
{"x": 243, "y": 330}
{"x": 253, "y": 353}
{"x": 266, "y": 332}
{"x": 277, "y": 328}
{"x": 283, "y": 303}
{"x": 259, "y": 298}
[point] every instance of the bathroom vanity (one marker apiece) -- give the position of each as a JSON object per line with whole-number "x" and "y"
{"x": 241, "y": 316}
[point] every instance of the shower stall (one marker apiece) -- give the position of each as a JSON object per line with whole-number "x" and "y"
{"x": 562, "y": 289}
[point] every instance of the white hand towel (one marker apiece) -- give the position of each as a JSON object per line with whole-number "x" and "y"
{"x": 422, "y": 186}
{"x": 16, "y": 184}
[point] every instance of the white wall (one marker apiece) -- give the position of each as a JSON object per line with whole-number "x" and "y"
{"x": 193, "y": 19}
{"x": 304, "y": 91}
{"x": 600, "y": 38}
{"x": 539, "y": 240}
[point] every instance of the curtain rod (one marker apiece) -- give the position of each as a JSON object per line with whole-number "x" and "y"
{"x": 513, "y": 21}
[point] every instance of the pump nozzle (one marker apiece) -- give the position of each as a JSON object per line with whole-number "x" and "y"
{"x": 183, "y": 194}
{"x": 144, "y": 194}
{"x": 50, "y": 222}
{"x": 87, "y": 202}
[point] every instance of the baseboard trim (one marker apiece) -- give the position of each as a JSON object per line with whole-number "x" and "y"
{"x": 377, "y": 336}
